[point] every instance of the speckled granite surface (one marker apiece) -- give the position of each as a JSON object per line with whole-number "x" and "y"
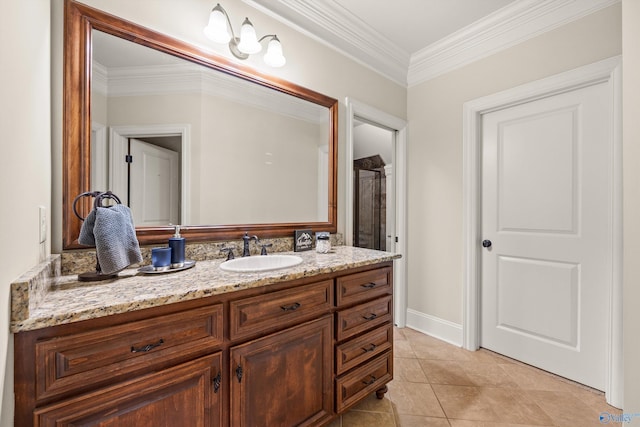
{"x": 84, "y": 260}
{"x": 30, "y": 289}
{"x": 68, "y": 300}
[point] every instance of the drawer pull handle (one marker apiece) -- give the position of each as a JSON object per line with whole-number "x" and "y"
{"x": 147, "y": 347}
{"x": 371, "y": 381}
{"x": 371, "y": 348}
{"x": 369, "y": 285}
{"x": 216, "y": 382}
{"x": 291, "y": 307}
{"x": 370, "y": 317}
{"x": 239, "y": 373}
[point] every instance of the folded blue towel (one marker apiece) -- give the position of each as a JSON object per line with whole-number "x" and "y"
{"x": 111, "y": 231}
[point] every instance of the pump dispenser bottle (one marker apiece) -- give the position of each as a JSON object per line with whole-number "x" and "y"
{"x": 176, "y": 243}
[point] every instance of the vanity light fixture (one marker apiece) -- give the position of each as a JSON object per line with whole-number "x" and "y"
{"x": 248, "y": 43}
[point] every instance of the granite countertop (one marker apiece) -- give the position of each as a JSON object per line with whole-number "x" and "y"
{"x": 67, "y": 300}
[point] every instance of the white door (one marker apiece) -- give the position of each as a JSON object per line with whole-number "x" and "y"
{"x": 153, "y": 185}
{"x": 546, "y": 209}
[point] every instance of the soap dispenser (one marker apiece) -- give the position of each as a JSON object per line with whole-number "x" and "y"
{"x": 176, "y": 243}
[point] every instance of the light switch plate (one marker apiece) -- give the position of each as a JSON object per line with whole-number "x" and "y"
{"x": 43, "y": 223}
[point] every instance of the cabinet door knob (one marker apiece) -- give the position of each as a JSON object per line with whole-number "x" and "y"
{"x": 486, "y": 243}
{"x": 239, "y": 373}
{"x": 216, "y": 382}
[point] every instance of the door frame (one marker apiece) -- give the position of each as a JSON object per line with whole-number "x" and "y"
{"x": 605, "y": 71}
{"x": 399, "y": 128}
{"x": 116, "y": 145}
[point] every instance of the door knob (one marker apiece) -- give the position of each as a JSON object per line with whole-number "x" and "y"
{"x": 486, "y": 243}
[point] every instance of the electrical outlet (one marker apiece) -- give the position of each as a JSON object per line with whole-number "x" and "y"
{"x": 43, "y": 223}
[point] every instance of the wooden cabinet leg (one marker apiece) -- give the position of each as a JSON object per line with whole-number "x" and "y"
{"x": 380, "y": 392}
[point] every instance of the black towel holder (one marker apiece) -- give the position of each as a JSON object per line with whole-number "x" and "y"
{"x": 100, "y": 197}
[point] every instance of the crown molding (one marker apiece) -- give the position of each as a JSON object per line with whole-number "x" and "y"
{"x": 507, "y": 27}
{"x": 189, "y": 78}
{"x": 334, "y": 26}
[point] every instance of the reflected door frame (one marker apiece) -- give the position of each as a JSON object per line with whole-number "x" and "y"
{"x": 118, "y": 136}
{"x": 607, "y": 70}
{"x": 357, "y": 109}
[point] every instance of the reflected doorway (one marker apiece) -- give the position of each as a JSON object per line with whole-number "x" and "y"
{"x": 373, "y": 186}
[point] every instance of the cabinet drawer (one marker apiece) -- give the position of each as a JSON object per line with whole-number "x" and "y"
{"x": 364, "y": 380}
{"x": 360, "y": 349}
{"x": 185, "y": 395}
{"x": 251, "y": 316}
{"x": 88, "y": 360}
{"x": 362, "y": 286}
{"x": 360, "y": 318}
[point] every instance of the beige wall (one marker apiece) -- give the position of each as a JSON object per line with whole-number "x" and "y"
{"x": 310, "y": 64}
{"x": 631, "y": 196}
{"x": 25, "y": 171}
{"x": 435, "y": 148}
{"x": 230, "y": 181}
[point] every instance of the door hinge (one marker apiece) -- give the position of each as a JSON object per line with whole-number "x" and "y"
{"x": 396, "y": 239}
{"x": 128, "y": 158}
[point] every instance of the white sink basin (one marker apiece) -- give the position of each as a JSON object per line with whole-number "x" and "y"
{"x": 260, "y": 263}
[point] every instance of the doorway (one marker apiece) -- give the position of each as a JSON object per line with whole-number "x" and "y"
{"x": 162, "y": 142}
{"x": 391, "y": 228}
{"x": 565, "y": 274}
{"x": 373, "y": 223}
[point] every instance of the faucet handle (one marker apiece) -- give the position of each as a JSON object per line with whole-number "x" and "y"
{"x": 264, "y": 248}
{"x": 229, "y": 252}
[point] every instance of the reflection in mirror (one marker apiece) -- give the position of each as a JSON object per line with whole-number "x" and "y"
{"x": 223, "y": 152}
{"x": 185, "y": 144}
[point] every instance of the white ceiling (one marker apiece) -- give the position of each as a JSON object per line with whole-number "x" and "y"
{"x": 410, "y": 41}
{"x": 414, "y": 24}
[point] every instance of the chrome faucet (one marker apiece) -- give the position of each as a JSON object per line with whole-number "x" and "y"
{"x": 247, "y": 239}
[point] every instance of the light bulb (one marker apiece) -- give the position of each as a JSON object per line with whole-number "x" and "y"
{"x": 248, "y": 40}
{"x": 217, "y": 30}
{"x": 274, "y": 56}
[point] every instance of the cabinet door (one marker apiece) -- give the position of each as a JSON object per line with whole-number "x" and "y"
{"x": 186, "y": 395}
{"x": 284, "y": 379}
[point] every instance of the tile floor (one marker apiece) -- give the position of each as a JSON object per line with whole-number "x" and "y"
{"x": 441, "y": 385}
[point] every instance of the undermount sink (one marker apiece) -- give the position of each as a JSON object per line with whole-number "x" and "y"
{"x": 261, "y": 263}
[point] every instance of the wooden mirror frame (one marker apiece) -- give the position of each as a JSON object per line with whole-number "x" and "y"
{"x": 79, "y": 21}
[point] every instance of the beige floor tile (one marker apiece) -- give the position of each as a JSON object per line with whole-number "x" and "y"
{"x": 490, "y": 404}
{"x": 336, "y": 423}
{"x": 530, "y": 378}
{"x": 468, "y": 423}
{"x": 487, "y": 374}
{"x": 414, "y": 399}
{"x": 567, "y": 410}
{"x": 398, "y": 334}
{"x": 438, "y": 351}
{"x": 368, "y": 419}
{"x": 373, "y": 404}
{"x": 403, "y": 420}
{"x": 447, "y": 372}
{"x": 402, "y": 348}
{"x": 441, "y": 385}
{"x": 408, "y": 370}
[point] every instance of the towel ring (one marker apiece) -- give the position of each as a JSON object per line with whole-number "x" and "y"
{"x": 99, "y": 197}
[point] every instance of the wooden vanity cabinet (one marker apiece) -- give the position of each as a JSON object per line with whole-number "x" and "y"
{"x": 288, "y": 354}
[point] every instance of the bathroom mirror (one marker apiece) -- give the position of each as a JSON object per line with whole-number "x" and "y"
{"x": 245, "y": 151}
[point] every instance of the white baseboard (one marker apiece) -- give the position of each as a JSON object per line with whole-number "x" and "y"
{"x": 438, "y": 328}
